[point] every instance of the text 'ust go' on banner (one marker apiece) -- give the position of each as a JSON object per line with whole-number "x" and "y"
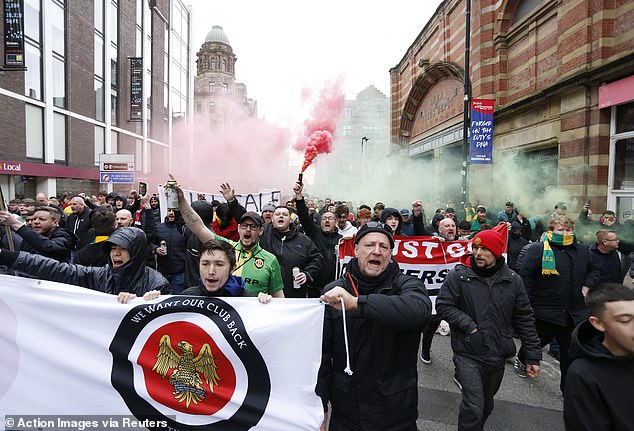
{"x": 481, "y": 131}
{"x": 423, "y": 257}
{"x": 185, "y": 363}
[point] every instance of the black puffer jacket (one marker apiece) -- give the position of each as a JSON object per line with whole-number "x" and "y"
{"x": 554, "y": 298}
{"x": 326, "y": 242}
{"x": 132, "y": 277}
{"x": 495, "y": 306}
{"x": 292, "y": 249}
{"x": 383, "y": 338}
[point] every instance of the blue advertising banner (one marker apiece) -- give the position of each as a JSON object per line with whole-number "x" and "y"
{"x": 481, "y": 131}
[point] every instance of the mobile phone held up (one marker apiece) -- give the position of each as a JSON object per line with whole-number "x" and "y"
{"x": 142, "y": 188}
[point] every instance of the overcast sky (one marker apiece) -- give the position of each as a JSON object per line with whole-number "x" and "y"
{"x": 283, "y": 46}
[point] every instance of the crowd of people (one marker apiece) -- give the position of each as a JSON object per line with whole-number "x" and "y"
{"x": 551, "y": 279}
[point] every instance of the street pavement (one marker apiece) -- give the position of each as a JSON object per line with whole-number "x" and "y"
{"x": 520, "y": 404}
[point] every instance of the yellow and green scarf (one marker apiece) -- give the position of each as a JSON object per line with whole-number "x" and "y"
{"x": 548, "y": 257}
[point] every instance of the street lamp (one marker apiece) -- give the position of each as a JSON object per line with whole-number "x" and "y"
{"x": 363, "y": 141}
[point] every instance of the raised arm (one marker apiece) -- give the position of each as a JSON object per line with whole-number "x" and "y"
{"x": 191, "y": 217}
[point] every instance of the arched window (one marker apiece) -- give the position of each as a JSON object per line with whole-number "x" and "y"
{"x": 524, "y": 8}
{"x": 213, "y": 64}
{"x": 224, "y": 65}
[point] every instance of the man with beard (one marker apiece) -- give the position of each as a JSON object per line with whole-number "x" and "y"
{"x": 293, "y": 249}
{"x": 374, "y": 387}
{"x": 556, "y": 273}
{"x": 325, "y": 237}
{"x": 125, "y": 275}
{"x": 258, "y": 268}
{"x": 484, "y": 301}
{"x": 46, "y": 237}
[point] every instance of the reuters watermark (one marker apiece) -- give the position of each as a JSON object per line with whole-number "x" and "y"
{"x": 84, "y": 423}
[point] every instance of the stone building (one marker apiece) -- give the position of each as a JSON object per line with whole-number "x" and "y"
{"x": 218, "y": 98}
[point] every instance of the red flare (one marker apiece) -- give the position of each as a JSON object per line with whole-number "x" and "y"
{"x": 320, "y": 141}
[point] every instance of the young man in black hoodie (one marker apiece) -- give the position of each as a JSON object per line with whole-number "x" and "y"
{"x": 600, "y": 381}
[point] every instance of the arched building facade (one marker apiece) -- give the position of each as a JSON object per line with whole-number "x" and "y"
{"x": 550, "y": 67}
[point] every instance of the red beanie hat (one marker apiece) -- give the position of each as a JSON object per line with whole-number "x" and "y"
{"x": 491, "y": 240}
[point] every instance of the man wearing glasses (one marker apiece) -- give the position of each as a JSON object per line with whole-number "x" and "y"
{"x": 258, "y": 268}
{"x": 324, "y": 235}
{"x": 369, "y": 375}
{"x": 606, "y": 258}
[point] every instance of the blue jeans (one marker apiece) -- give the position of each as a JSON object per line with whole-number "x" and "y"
{"x": 177, "y": 281}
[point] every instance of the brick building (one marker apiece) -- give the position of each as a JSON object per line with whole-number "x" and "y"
{"x": 73, "y": 101}
{"x": 560, "y": 73}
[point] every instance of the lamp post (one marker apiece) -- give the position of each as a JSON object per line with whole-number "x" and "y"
{"x": 363, "y": 141}
{"x": 466, "y": 109}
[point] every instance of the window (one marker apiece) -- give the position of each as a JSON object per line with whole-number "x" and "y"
{"x": 625, "y": 118}
{"x": 524, "y": 8}
{"x": 213, "y": 64}
{"x": 114, "y": 107}
{"x": 32, "y": 19}
{"x": 225, "y": 88}
{"x": 99, "y": 100}
{"x": 59, "y": 84}
{"x": 98, "y": 56}
{"x": 624, "y": 164}
{"x": 33, "y": 73}
{"x": 57, "y": 22}
{"x": 100, "y": 147}
{"x": 224, "y": 65}
{"x": 34, "y": 117}
{"x": 59, "y": 136}
{"x": 98, "y": 16}
{"x": 212, "y": 87}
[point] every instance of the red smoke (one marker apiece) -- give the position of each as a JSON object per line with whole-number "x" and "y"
{"x": 319, "y": 130}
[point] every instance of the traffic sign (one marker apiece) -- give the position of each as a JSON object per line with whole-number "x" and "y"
{"x": 116, "y": 177}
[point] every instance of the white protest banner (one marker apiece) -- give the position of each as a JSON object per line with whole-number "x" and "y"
{"x": 250, "y": 201}
{"x": 187, "y": 362}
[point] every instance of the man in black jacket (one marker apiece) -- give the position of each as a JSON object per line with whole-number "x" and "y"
{"x": 78, "y": 222}
{"x": 293, "y": 249}
{"x": 484, "y": 301}
{"x": 46, "y": 238}
{"x": 324, "y": 235}
{"x": 375, "y": 385}
{"x": 556, "y": 272}
{"x": 600, "y": 381}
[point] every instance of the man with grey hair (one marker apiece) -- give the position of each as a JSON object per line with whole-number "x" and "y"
{"x": 78, "y": 222}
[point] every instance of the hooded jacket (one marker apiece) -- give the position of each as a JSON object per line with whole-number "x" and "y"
{"x": 599, "y": 385}
{"x": 393, "y": 212}
{"x": 134, "y": 276}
